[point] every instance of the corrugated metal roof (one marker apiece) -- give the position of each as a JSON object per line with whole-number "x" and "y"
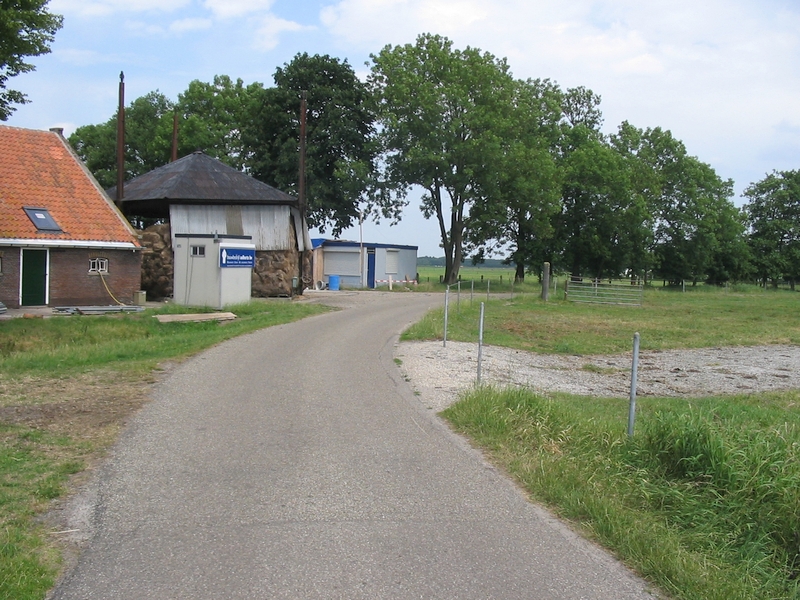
{"x": 39, "y": 170}
{"x": 195, "y": 179}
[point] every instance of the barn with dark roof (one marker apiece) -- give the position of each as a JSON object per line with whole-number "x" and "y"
{"x": 198, "y": 194}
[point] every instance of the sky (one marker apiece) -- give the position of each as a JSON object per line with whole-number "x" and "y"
{"x": 722, "y": 75}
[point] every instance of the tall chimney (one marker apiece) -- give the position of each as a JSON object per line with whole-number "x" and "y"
{"x": 174, "y": 155}
{"x": 301, "y": 188}
{"x": 121, "y": 141}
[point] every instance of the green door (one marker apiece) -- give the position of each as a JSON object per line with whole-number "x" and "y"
{"x": 34, "y": 277}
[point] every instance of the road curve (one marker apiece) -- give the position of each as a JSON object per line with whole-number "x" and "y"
{"x": 295, "y": 462}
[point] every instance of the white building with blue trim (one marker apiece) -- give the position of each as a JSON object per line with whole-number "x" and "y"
{"x": 363, "y": 264}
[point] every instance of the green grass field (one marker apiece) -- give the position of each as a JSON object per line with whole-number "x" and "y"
{"x": 668, "y": 319}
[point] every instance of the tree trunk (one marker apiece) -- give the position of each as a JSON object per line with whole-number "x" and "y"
{"x": 519, "y": 275}
{"x": 456, "y": 237}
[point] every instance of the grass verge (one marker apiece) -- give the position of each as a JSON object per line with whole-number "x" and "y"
{"x": 704, "y": 500}
{"x": 67, "y": 384}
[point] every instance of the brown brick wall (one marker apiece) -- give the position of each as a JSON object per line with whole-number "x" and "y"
{"x": 71, "y": 284}
{"x": 9, "y": 278}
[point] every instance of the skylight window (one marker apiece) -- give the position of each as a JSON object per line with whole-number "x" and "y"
{"x": 42, "y": 220}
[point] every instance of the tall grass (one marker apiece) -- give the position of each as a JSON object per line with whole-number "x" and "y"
{"x": 704, "y": 500}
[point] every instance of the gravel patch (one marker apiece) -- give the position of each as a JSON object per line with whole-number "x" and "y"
{"x": 438, "y": 374}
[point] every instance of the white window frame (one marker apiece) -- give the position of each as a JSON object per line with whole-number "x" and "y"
{"x": 98, "y": 265}
{"x": 197, "y": 251}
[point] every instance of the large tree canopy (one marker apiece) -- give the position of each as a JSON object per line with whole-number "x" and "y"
{"x": 773, "y": 216}
{"x": 444, "y": 114}
{"x": 26, "y": 29}
{"x": 519, "y": 168}
{"x": 148, "y": 130}
{"x": 210, "y": 117}
{"x": 340, "y": 146}
{"x": 515, "y": 214}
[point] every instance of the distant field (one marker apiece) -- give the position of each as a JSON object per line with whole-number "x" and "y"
{"x": 467, "y": 273}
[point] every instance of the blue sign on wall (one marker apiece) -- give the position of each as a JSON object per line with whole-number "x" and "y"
{"x": 237, "y": 257}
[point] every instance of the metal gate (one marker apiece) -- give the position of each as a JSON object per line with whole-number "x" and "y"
{"x": 594, "y": 292}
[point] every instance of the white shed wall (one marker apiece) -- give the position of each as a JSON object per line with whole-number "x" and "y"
{"x": 268, "y": 226}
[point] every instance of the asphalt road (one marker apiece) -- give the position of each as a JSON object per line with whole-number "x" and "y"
{"x": 296, "y": 463}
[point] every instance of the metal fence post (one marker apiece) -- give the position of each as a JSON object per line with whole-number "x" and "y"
{"x": 446, "y": 304}
{"x": 634, "y": 371}
{"x": 480, "y": 345}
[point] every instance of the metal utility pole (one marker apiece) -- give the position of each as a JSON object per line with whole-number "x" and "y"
{"x": 121, "y": 141}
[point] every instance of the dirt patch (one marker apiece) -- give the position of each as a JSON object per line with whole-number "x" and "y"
{"x": 439, "y": 374}
{"x": 89, "y": 406}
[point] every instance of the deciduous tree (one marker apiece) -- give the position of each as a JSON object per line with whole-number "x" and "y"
{"x": 26, "y": 29}
{"x": 514, "y": 215}
{"x": 444, "y": 115}
{"x": 773, "y": 218}
{"x": 148, "y": 133}
{"x": 340, "y": 144}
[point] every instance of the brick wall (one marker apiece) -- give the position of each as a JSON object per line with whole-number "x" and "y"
{"x": 9, "y": 277}
{"x": 71, "y": 284}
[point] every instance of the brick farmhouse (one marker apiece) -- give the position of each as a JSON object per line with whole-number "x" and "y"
{"x": 63, "y": 242}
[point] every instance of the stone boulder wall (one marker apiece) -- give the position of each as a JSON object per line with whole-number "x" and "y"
{"x": 273, "y": 273}
{"x": 158, "y": 264}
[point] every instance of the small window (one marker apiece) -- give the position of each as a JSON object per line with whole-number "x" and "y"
{"x": 98, "y": 265}
{"x": 198, "y": 251}
{"x": 42, "y": 220}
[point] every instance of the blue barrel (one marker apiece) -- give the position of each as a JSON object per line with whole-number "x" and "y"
{"x": 333, "y": 282}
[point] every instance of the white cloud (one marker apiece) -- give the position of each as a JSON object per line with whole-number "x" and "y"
{"x": 144, "y": 28}
{"x": 191, "y": 24}
{"x": 93, "y": 8}
{"x": 454, "y": 15}
{"x": 83, "y": 58}
{"x": 237, "y": 8}
{"x": 268, "y": 34}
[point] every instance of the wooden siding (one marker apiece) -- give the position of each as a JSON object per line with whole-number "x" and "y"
{"x": 268, "y": 226}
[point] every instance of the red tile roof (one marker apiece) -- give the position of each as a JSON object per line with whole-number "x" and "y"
{"x": 39, "y": 170}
